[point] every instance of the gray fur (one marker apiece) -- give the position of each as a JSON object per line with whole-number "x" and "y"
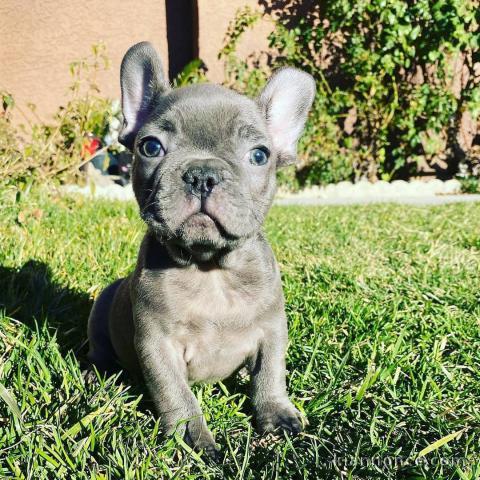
{"x": 205, "y": 298}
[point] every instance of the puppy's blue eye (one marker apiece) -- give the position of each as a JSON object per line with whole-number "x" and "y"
{"x": 259, "y": 156}
{"x": 151, "y": 147}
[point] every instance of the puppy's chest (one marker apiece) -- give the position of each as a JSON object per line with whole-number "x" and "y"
{"x": 215, "y": 324}
{"x": 213, "y": 355}
{"x": 212, "y": 299}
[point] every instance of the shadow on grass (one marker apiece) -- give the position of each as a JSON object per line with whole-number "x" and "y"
{"x": 31, "y": 295}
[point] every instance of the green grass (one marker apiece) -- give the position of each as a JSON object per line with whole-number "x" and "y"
{"x": 384, "y": 356}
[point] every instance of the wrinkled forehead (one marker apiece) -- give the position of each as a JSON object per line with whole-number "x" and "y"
{"x": 208, "y": 115}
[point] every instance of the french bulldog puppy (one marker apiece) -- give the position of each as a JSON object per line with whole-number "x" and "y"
{"x": 205, "y": 298}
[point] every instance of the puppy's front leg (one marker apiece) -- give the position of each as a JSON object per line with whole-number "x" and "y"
{"x": 273, "y": 408}
{"x": 165, "y": 374}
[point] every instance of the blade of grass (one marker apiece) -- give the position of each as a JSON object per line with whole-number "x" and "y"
{"x": 440, "y": 442}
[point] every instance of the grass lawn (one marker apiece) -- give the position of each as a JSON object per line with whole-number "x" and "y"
{"x": 384, "y": 356}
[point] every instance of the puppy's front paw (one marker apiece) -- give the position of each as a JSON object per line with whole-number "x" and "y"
{"x": 279, "y": 416}
{"x": 199, "y": 437}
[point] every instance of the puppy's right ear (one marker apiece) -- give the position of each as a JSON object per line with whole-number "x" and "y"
{"x": 142, "y": 81}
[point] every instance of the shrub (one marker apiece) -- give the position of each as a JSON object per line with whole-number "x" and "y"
{"x": 398, "y": 83}
{"x": 41, "y": 151}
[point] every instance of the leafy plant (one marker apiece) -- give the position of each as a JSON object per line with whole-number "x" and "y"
{"x": 394, "y": 79}
{"x": 470, "y": 184}
{"x": 40, "y": 151}
{"x": 193, "y": 72}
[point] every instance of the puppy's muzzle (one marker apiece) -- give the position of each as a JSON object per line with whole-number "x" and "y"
{"x": 201, "y": 180}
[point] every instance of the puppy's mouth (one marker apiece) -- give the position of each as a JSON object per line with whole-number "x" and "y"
{"x": 197, "y": 225}
{"x": 205, "y": 224}
{"x": 201, "y": 219}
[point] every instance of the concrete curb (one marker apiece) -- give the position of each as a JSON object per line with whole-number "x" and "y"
{"x": 343, "y": 193}
{"x": 423, "y": 200}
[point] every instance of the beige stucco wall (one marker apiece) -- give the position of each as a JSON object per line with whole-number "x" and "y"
{"x": 39, "y": 38}
{"x": 213, "y": 20}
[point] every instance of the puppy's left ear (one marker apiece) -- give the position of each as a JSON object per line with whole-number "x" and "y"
{"x": 285, "y": 102}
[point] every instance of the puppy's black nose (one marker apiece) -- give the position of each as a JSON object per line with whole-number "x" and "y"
{"x": 201, "y": 180}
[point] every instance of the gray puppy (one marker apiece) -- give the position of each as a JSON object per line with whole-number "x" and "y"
{"x": 205, "y": 298}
